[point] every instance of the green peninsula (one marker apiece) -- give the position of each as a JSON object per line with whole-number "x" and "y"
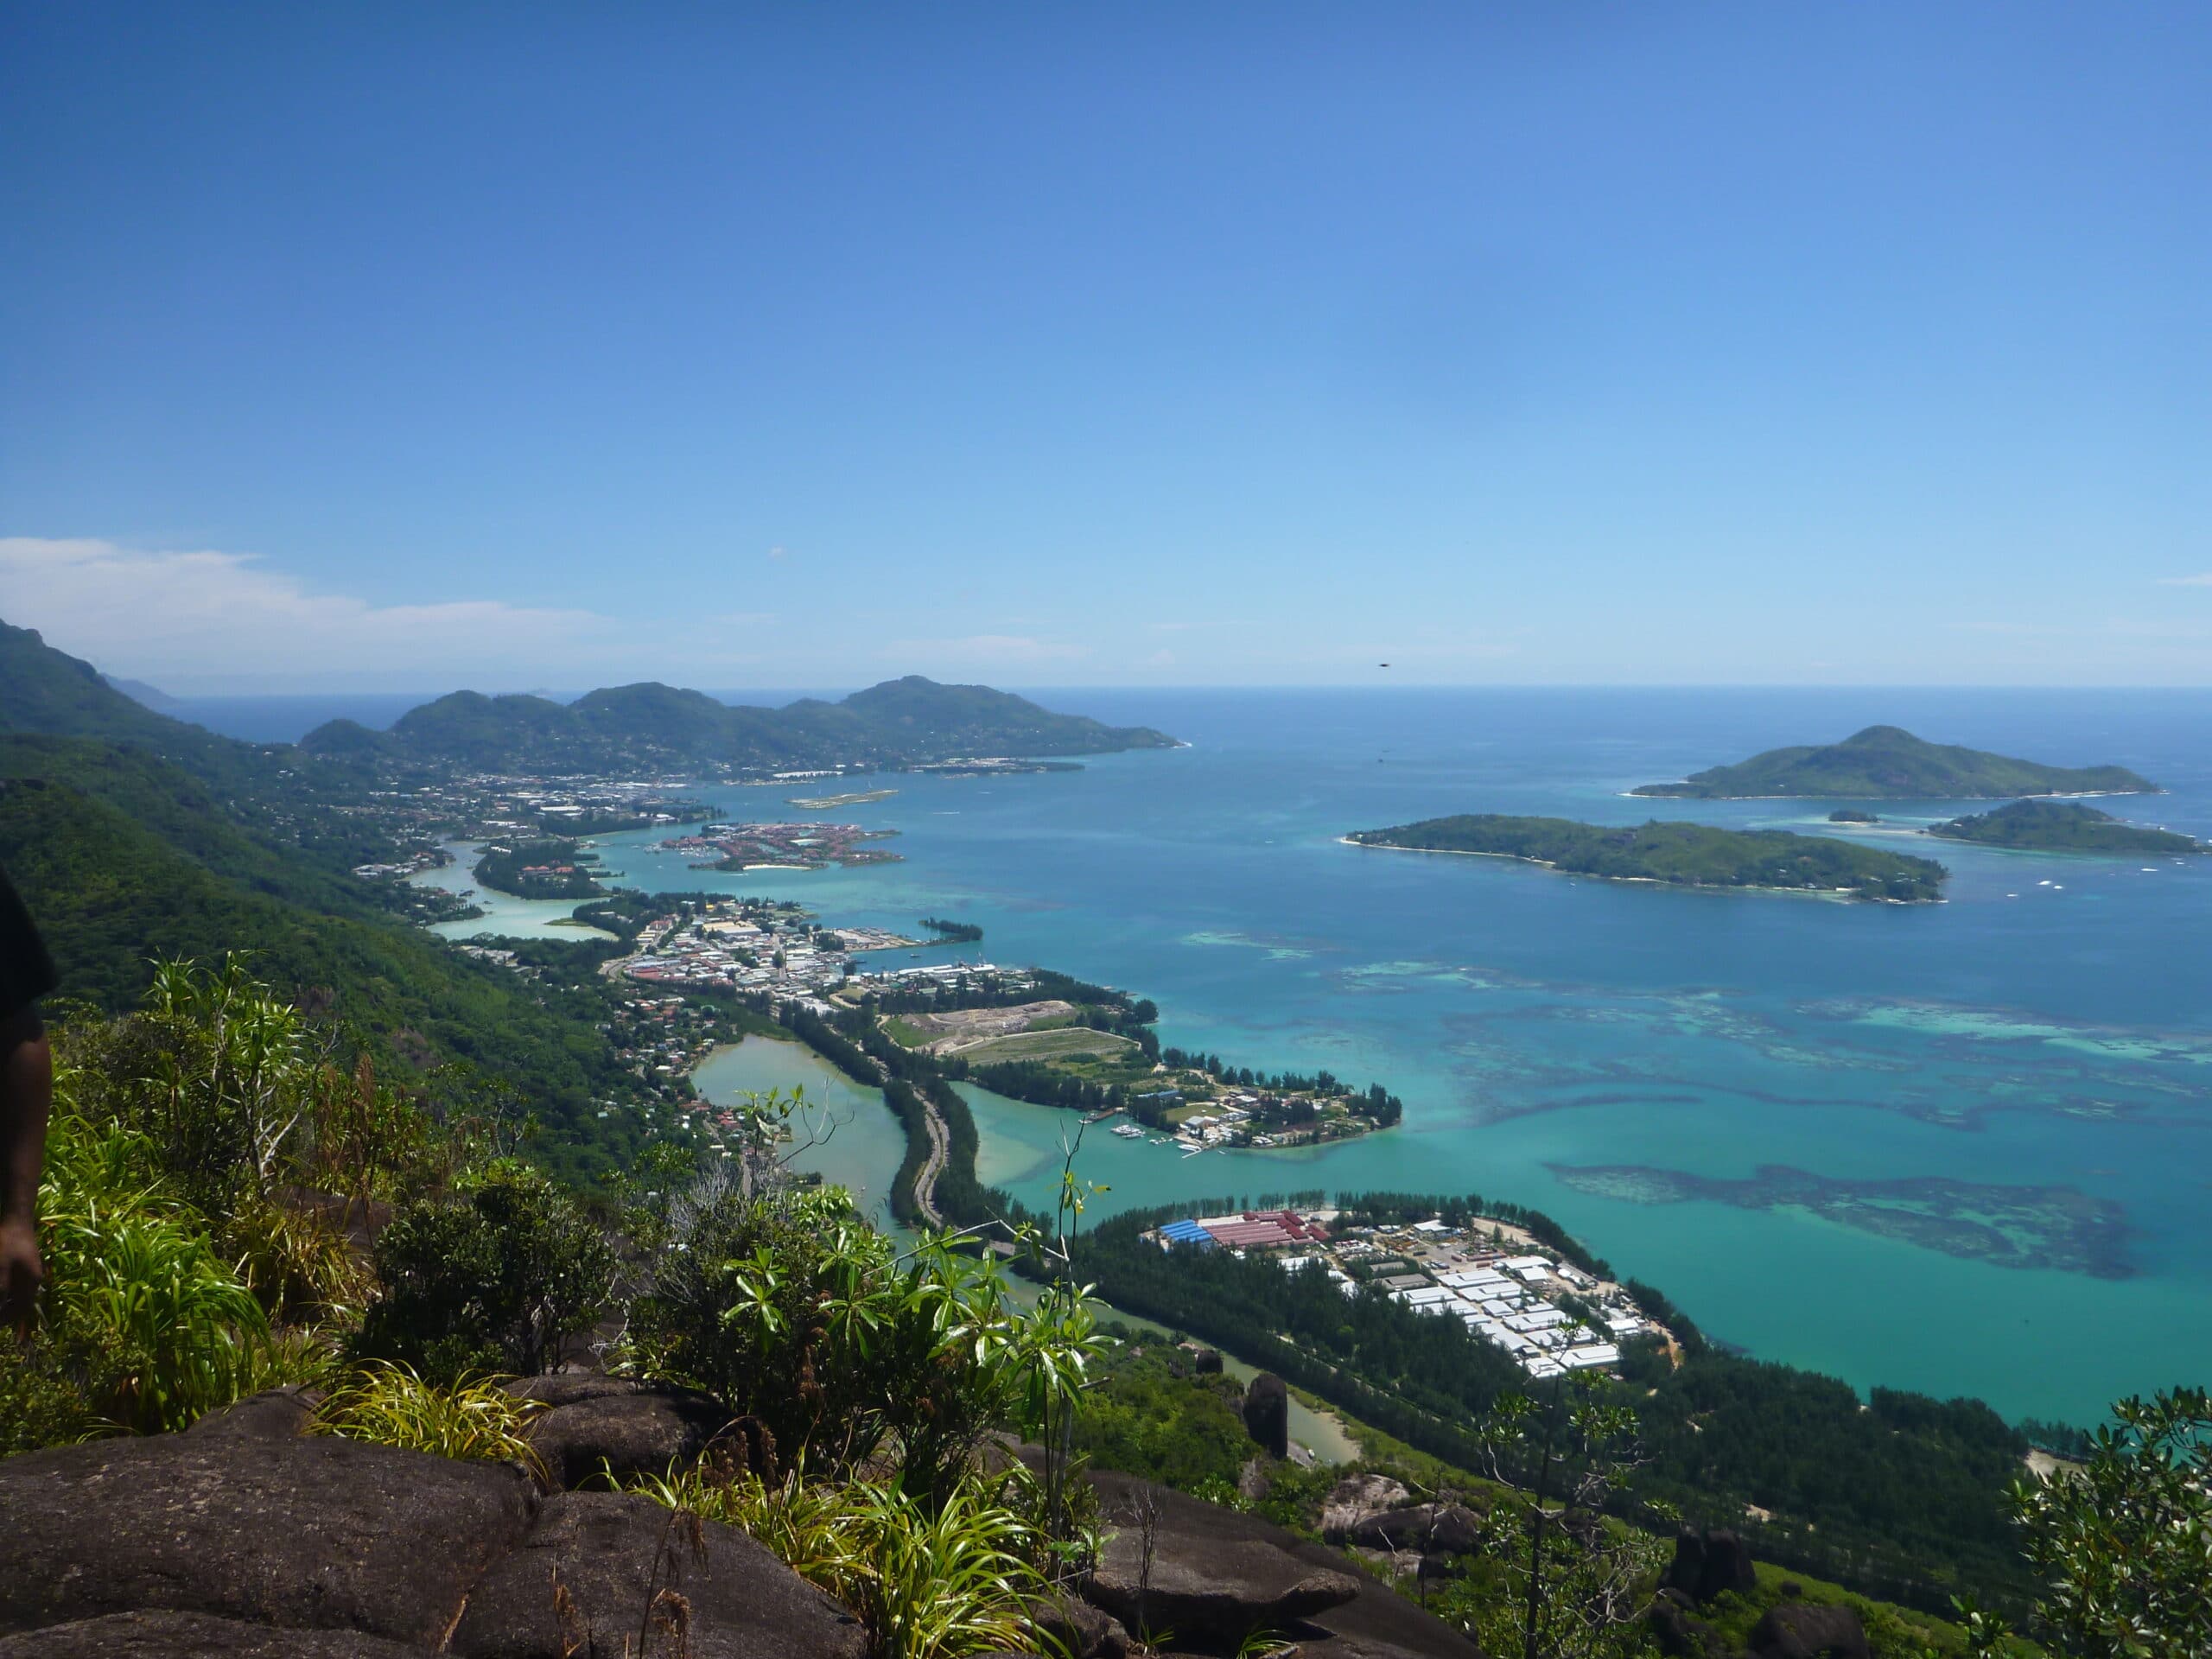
{"x": 1680, "y": 855}
{"x": 540, "y": 869}
{"x": 2061, "y": 827}
{"x": 1886, "y": 763}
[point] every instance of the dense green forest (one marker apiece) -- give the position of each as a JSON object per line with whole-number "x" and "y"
{"x": 1887, "y": 763}
{"x": 2061, "y": 827}
{"x": 1682, "y": 854}
{"x": 625, "y": 729}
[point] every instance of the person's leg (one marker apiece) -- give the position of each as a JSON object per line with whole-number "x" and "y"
{"x": 26, "y": 1095}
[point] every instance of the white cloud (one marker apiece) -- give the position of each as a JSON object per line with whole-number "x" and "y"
{"x": 2204, "y": 581}
{"x": 207, "y": 619}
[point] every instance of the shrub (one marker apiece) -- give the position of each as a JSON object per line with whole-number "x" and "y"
{"x": 790, "y": 1307}
{"x": 493, "y": 1280}
{"x": 140, "y": 1312}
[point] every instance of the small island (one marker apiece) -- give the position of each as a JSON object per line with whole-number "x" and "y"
{"x": 2061, "y": 827}
{"x": 1885, "y": 763}
{"x": 1679, "y": 854}
{"x": 1852, "y": 815}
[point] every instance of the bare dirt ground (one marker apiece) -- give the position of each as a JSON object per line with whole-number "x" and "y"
{"x": 963, "y": 1028}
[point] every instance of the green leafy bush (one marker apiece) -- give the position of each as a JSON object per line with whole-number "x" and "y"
{"x": 492, "y": 1280}
{"x": 788, "y": 1306}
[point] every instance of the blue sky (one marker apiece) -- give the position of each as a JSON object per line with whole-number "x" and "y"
{"x": 404, "y": 348}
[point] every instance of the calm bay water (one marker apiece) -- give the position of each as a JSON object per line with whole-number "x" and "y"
{"x": 2054, "y": 1042}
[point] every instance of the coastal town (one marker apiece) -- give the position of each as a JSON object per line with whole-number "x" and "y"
{"x": 1496, "y": 1278}
{"x": 769, "y": 948}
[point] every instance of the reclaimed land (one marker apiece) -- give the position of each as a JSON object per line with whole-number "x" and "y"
{"x": 1679, "y": 854}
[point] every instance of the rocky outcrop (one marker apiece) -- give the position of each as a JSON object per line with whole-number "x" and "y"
{"x": 1354, "y": 1499}
{"x": 1431, "y": 1528}
{"x": 234, "y": 1539}
{"x": 192, "y": 1635}
{"x": 283, "y": 1413}
{"x": 317, "y": 1534}
{"x": 1267, "y": 1414}
{"x": 1678, "y": 1632}
{"x": 601, "y": 1569}
{"x": 1215, "y": 1576}
{"x": 243, "y": 1541}
{"x": 596, "y": 1424}
{"x": 1709, "y": 1564}
{"x": 1070, "y": 1624}
{"x": 1799, "y": 1629}
{"x": 1206, "y": 1361}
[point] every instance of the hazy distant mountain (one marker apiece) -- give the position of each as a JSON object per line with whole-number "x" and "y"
{"x": 150, "y": 696}
{"x": 899, "y": 721}
{"x": 1887, "y": 763}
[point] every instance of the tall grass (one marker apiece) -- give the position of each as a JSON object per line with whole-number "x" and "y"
{"x": 134, "y": 1281}
{"x": 390, "y": 1405}
{"x": 930, "y": 1580}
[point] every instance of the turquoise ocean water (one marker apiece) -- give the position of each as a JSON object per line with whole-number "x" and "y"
{"x": 2036, "y": 1050}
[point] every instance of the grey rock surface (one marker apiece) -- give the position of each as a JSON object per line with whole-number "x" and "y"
{"x": 1082, "y": 1630}
{"x": 193, "y": 1635}
{"x": 1356, "y": 1497}
{"x": 1267, "y": 1414}
{"x": 1217, "y": 1574}
{"x": 1797, "y": 1630}
{"x": 1431, "y": 1528}
{"x": 597, "y": 1423}
{"x": 283, "y": 1414}
{"x": 1709, "y": 1564}
{"x": 312, "y": 1533}
{"x": 612, "y": 1555}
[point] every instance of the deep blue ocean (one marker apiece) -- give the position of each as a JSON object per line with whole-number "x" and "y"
{"x": 1964, "y": 1147}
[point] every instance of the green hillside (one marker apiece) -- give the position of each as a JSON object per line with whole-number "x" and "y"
{"x": 641, "y": 727}
{"x": 43, "y": 690}
{"x": 1680, "y": 855}
{"x": 2061, "y": 827}
{"x": 114, "y": 892}
{"x": 1887, "y": 763}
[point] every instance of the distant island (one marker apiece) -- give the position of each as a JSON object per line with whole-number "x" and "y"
{"x": 1852, "y": 815}
{"x": 1680, "y": 855}
{"x": 1888, "y": 763}
{"x": 627, "y": 729}
{"x": 2061, "y": 827}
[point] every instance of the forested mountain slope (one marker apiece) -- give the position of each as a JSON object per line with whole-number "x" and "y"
{"x": 1888, "y": 763}
{"x": 654, "y": 726}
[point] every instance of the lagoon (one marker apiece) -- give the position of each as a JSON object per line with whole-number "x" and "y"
{"x": 2021, "y": 1042}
